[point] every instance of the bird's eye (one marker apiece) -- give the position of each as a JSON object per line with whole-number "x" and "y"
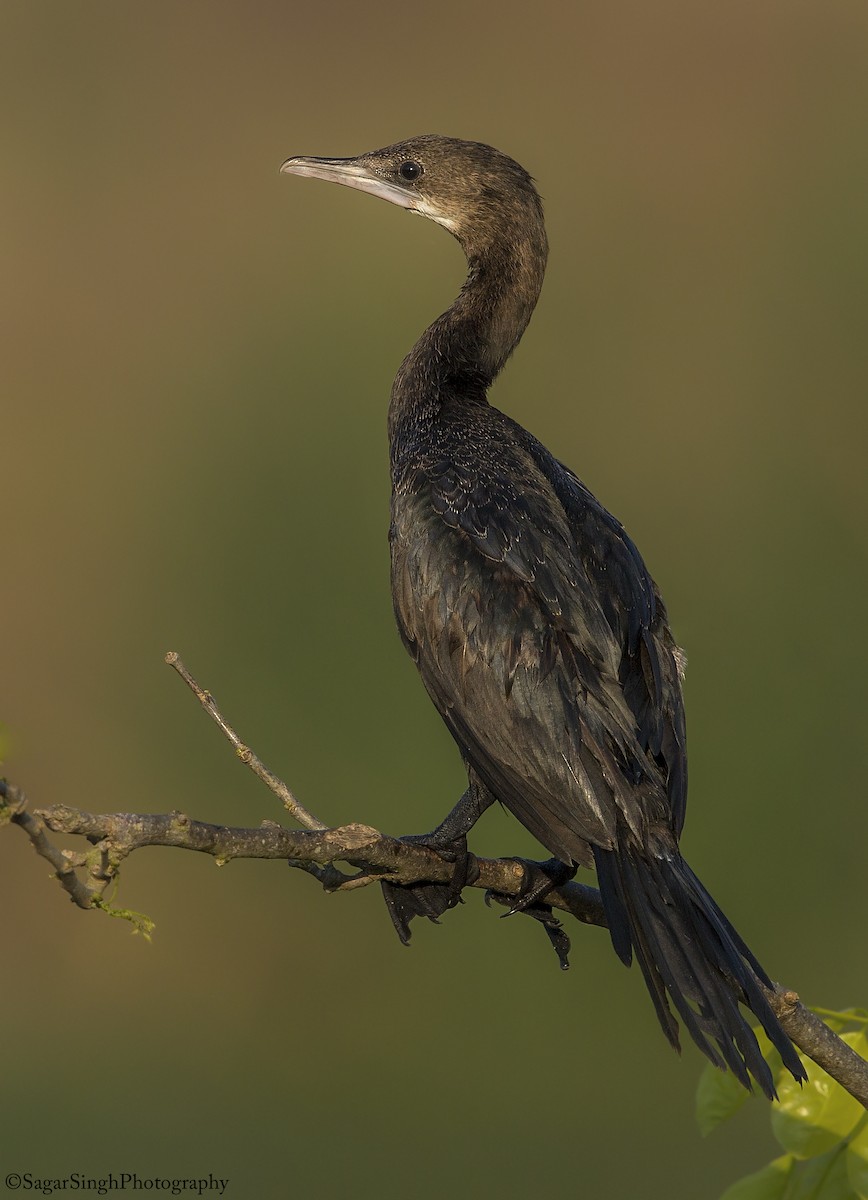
{"x": 409, "y": 170}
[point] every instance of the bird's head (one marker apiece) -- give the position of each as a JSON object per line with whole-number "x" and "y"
{"x": 473, "y": 190}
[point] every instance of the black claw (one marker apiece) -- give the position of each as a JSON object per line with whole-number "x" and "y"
{"x": 558, "y": 938}
{"x": 538, "y": 881}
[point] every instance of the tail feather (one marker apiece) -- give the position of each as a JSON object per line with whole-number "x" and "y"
{"x": 681, "y": 972}
{"x": 720, "y": 1018}
{"x": 755, "y": 997}
{"x": 691, "y": 955}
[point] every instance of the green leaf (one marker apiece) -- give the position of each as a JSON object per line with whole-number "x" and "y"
{"x": 847, "y": 1016}
{"x": 812, "y": 1119}
{"x": 768, "y": 1184}
{"x": 857, "y": 1162}
{"x": 823, "y": 1178}
{"x": 719, "y": 1096}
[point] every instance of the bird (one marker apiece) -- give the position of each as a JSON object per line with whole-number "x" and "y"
{"x": 538, "y": 632}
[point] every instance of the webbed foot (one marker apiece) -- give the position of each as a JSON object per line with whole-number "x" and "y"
{"x": 431, "y": 900}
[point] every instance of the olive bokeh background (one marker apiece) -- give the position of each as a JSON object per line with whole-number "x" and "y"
{"x": 198, "y": 362}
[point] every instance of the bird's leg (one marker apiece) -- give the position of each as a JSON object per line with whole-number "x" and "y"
{"x": 539, "y": 879}
{"x": 449, "y": 839}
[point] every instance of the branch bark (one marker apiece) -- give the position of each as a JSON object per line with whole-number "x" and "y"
{"x": 85, "y": 875}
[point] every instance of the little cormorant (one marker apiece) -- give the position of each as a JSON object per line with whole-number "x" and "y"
{"x": 533, "y": 621}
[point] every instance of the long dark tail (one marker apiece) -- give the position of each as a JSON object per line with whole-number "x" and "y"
{"x": 689, "y": 951}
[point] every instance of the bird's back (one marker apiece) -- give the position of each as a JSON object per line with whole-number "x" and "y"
{"x": 538, "y": 633}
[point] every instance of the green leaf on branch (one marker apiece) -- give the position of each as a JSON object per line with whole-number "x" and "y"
{"x": 768, "y": 1184}
{"x": 821, "y": 1126}
{"x": 857, "y": 1161}
{"x": 812, "y": 1119}
{"x": 823, "y": 1178}
{"x": 719, "y": 1096}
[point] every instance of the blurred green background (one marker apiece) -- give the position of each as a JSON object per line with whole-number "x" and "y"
{"x": 197, "y": 366}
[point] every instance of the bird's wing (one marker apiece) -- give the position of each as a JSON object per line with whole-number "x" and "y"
{"x": 508, "y": 625}
{"x": 652, "y": 664}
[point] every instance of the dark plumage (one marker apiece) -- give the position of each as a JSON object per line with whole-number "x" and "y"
{"x": 536, "y": 628}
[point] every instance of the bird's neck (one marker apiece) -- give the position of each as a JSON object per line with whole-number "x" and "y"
{"x": 460, "y": 354}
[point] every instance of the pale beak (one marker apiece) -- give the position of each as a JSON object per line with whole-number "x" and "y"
{"x": 350, "y": 173}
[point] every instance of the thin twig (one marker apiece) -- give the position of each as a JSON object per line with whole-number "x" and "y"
{"x": 64, "y": 863}
{"x": 257, "y": 766}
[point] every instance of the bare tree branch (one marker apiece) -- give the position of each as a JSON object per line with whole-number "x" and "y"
{"x": 317, "y": 849}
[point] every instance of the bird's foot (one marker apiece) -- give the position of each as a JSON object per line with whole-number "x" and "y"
{"x": 431, "y": 900}
{"x": 538, "y": 881}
